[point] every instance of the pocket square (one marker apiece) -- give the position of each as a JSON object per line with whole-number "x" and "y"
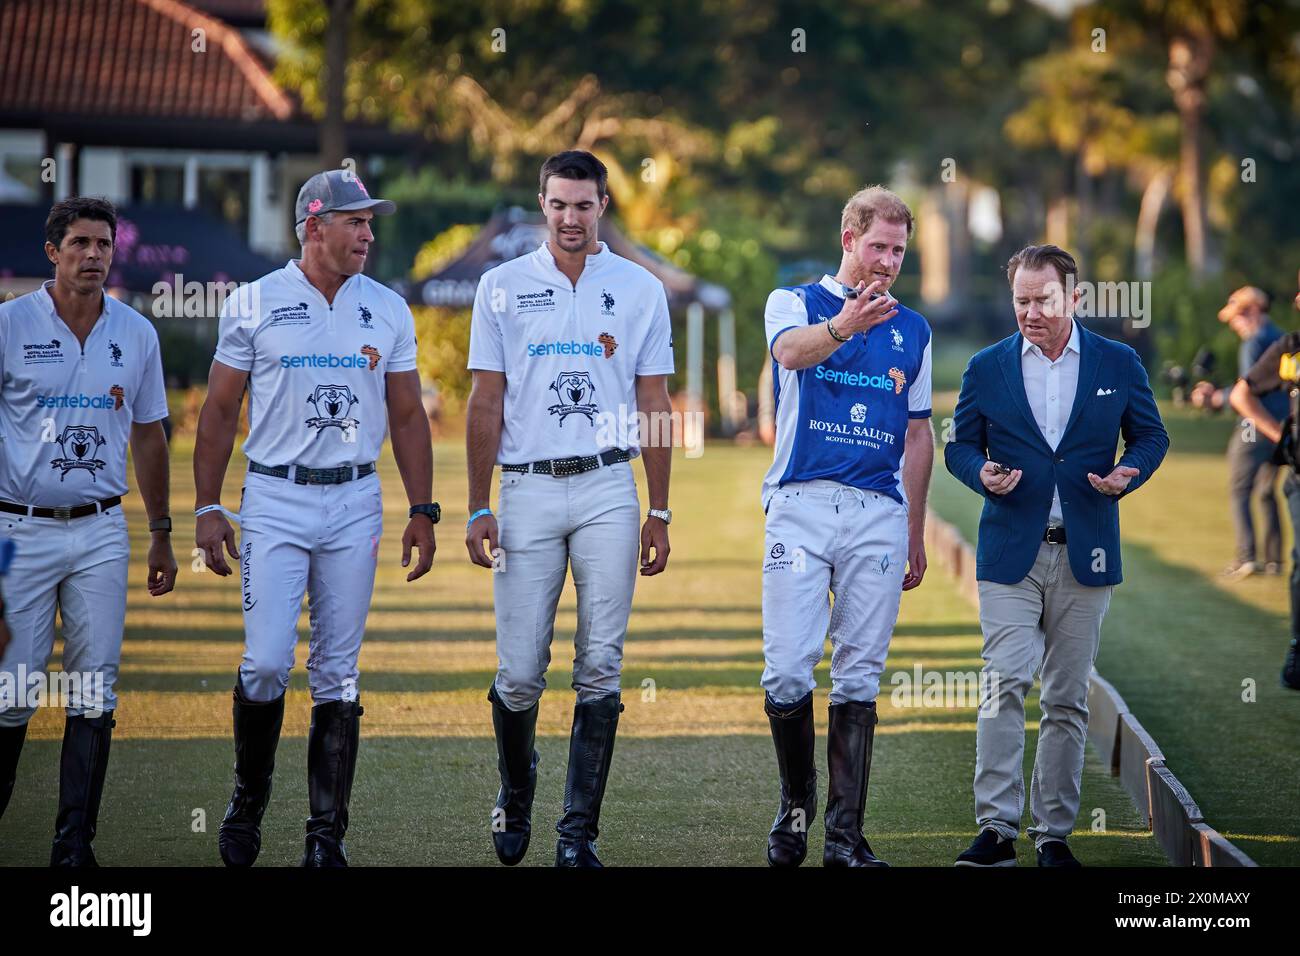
{"x": 1105, "y": 391}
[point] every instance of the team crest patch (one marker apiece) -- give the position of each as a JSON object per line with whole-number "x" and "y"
{"x": 858, "y": 413}
{"x": 899, "y": 380}
{"x": 333, "y": 403}
{"x": 77, "y": 443}
{"x": 575, "y": 391}
{"x": 609, "y": 343}
{"x": 119, "y": 396}
{"x": 372, "y": 353}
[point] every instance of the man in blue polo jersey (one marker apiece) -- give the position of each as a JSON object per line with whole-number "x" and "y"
{"x": 845, "y": 505}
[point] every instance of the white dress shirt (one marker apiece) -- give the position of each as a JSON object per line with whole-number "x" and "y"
{"x": 1050, "y": 388}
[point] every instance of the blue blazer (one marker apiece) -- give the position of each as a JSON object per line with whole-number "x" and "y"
{"x": 993, "y": 422}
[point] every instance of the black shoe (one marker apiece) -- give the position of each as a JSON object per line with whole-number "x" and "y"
{"x": 331, "y": 764}
{"x": 11, "y": 745}
{"x": 989, "y": 849}
{"x": 257, "y": 733}
{"x": 848, "y": 760}
{"x": 1056, "y": 853}
{"x": 792, "y": 732}
{"x": 82, "y": 766}
{"x": 512, "y": 820}
{"x": 591, "y": 749}
{"x": 1291, "y": 667}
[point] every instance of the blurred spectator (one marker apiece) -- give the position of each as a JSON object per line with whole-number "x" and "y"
{"x": 1278, "y": 373}
{"x": 1251, "y": 472}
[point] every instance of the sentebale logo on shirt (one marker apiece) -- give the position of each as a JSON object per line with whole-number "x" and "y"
{"x": 542, "y": 349}
{"x": 325, "y": 360}
{"x": 77, "y": 401}
{"x": 892, "y": 381}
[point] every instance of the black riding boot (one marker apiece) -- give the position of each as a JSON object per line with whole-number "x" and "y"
{"x": 1290, "y": 675}
{"x": 792, "y": 732}
{"x": 331, "y": 762}
{"x": 512, "y": 820}
{"x": 591, "y": 748}
{"x": 11, "y": 745}
{"x": 257, "y": 732}
{"x": 848, "y": 753}
{"x": 82, "y": 766}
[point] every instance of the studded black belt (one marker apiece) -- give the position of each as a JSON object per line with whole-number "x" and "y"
{"x": 564, "y": 467}
{"x": 313, "y": 476}
{"x": 76, "y": 511}
{"x": 1054, "y": 535}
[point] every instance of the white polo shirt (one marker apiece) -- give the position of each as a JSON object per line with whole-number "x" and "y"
{"x": 66, "y": 409}
{"x": 571, "y": 354}
{"x": 316, "y": 370}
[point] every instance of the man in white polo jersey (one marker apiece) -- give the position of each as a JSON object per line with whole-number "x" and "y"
{"x": 845, "y": 505}
{"x": 323, "y": 351}
{"x": 565, "y": 343}
{"x": 81, "y": 379}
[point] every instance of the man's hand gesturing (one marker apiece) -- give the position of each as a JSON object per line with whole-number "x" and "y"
{"x": 863, "y": 313}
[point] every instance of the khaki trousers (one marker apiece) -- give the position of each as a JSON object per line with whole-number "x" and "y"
{"x": 1051, "y": 623}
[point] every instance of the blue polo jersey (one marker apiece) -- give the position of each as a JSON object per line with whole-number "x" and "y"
{"x": 845, "y": 419}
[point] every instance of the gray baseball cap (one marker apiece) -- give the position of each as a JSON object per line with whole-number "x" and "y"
{"x": 337, "y": 190}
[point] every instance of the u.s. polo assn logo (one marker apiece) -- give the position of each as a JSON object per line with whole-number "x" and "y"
{"x": 332, "y": 403}
{"x": 79, "y": 445}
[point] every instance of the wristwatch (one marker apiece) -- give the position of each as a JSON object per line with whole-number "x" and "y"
{"x": 161, "y": 524}
{"x": 664, "y": 515}
{"x": 433, "y": 511}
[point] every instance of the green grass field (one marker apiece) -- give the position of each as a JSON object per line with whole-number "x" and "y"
{"x": 694, "y": 774}
{"x": 1183, "y": 647}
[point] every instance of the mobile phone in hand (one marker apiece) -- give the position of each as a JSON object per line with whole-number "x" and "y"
{"x": 1001, "y": 469}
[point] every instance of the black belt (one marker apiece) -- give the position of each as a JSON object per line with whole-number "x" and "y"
{"x": 564, "y": 467}
{"x": 1054, "y": 535}
{"x": 314, "y": 476}
{"x": 76, "y": 511}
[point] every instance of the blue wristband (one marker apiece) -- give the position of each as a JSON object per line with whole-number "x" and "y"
{"x": 476, "y": 515}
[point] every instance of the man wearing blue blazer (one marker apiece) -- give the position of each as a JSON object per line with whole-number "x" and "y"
{"x": 1035, "y": 432}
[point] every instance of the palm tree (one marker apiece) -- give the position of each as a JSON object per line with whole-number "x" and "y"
{"x": 1192, "y": 30}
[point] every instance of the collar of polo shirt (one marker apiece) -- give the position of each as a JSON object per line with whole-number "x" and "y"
{"x": 48, "y": 300}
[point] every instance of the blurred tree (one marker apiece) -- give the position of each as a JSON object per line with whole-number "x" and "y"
{"x": 333, "y": 130}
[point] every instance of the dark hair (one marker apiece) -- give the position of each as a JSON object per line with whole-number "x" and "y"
{"x": 576, "y": 164}
{"x": 67, "y": 211}
{"x": 1035, "y": 257}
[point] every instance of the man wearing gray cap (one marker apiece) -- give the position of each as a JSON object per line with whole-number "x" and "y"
{"x": 323, "y": 351}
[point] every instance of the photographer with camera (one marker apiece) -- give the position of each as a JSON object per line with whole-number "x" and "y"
{"x": 1254, "y": 397}
{"x": 1251, "y": 471}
